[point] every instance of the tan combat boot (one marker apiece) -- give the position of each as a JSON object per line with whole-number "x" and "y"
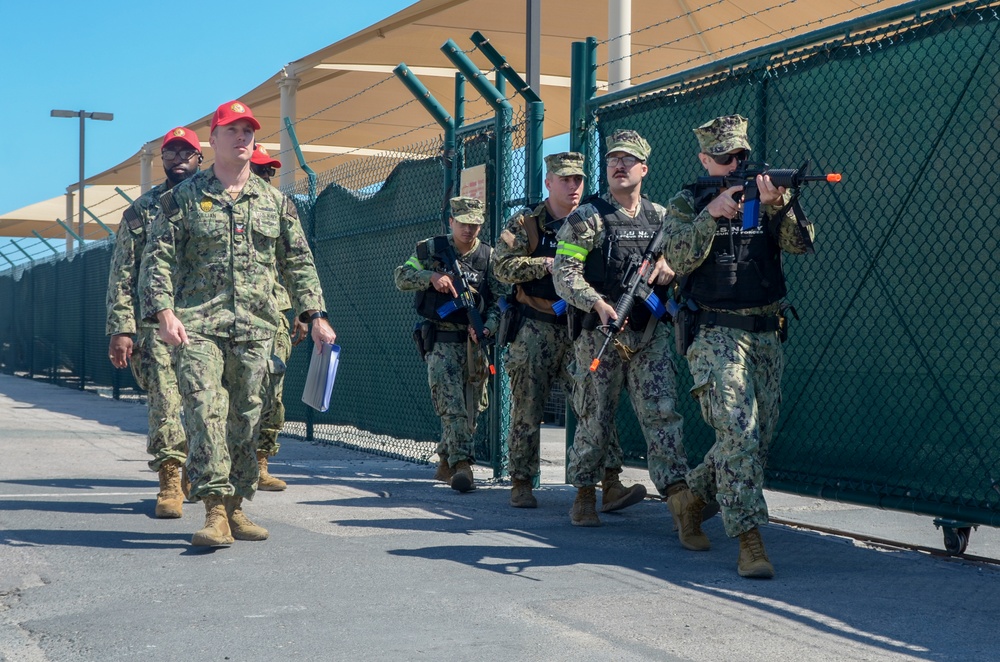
{"x": 753, "y": 559}
{"x": 686, "y": 509}
{"x": 266, "y": 481}
{"x": 711, "y": 509}
{"x": 185, "y": 483}
{"x": 462, "y": 478}
{"x": 615, "y": 496}
{"x": 240, "y": 525}
{"x": 520, "y": 494}
{"x": 216, "y": 532}
{"x": 170, "y": 497}
{"x": 583, "y": 512}
{"x": 444, "y": 471}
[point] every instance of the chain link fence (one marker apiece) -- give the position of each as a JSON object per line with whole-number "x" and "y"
{"x": 889, "y": 391}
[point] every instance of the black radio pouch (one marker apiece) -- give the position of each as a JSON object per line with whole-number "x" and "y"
{"x": 685, "y": 328}
{"x": 510, "y": 324}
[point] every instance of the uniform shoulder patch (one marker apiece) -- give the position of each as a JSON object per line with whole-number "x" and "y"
{"x": 132, "y": 219}
{"x": 577, "y": 221}
{"x": 290, "y": 209}
{"x": 168, "y": 204}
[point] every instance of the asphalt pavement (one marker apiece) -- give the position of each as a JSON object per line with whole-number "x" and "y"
{"x": 370, "y": 559}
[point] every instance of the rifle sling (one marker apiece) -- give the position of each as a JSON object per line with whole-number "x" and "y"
{"x": 800, "y": 219}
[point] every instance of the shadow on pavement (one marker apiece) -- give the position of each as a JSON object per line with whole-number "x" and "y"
{"x": 94, "y": 538}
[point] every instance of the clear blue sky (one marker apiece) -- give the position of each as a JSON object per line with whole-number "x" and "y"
{"x": 155, "y": 65}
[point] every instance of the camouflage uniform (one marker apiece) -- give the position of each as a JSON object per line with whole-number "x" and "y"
{"x": 737, "y": 373}
{"x": 455, "y": 370}
{"x": 230, "y": 315}
{"x": 541, "y": 352}
{"x": 151, "y": 357}
{"x": 650, "y": 375}
{"x": 272, "y": 415}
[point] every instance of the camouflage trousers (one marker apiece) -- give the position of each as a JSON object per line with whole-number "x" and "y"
{"x": 220, "y": 381}
{"x": 737, "y": 382}
{"x": 650, "y": 377}
{"x": 537, "y": 358}
{"x": 154, "y": 373}
{"x": 272, "y": 413}
{"x": 448, "y": 376}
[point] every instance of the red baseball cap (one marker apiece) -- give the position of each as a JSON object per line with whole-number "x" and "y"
{"x": 232, "y": 111}
{"x": 183, "y": 134}
{"x": 261, "y": 157}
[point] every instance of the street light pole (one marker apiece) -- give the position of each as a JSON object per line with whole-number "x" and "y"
{"x": 83, "y": 115}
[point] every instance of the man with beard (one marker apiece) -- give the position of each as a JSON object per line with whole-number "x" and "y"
{"x": 150, "y": 356}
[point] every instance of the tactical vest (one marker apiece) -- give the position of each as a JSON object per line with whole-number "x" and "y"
{"x": 745, "y": 275}
{"x": 625, "y": 240}
{"x": 473, "y": 265}
{"x": 544, "y": 238}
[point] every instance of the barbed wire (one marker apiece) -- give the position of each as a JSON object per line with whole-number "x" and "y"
{"x": 332, "y": 105}
{"x": 663, "y": 22}
{"x": 733, "y": 48}
{"x": 377, "y": 142}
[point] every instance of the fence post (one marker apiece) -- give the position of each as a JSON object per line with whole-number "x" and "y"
{"x": 441, "y": 116}
{"x": 24, "y": 252}
{"x": 65, "y": 227}
{"x": 106, "y": 228}
{"x": 534, "y": 118}
{"x": 458, "y": 163}
{"x": 504, "y": 112}
{"x": 124, "y": 195}
{"x": 35, "y": 232}
{"x": 302, "y": 164}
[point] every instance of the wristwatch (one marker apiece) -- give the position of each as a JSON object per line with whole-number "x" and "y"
{"x": 306, "y": 318}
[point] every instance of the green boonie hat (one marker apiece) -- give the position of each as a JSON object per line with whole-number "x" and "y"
{"x": 468, "y": 210}
{"x": 564, "y": 164}
{"x": 723, "y": 135}
{"x": 630, "y": 142}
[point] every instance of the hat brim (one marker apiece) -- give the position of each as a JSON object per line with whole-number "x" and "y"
{"x": 628, "y": 149}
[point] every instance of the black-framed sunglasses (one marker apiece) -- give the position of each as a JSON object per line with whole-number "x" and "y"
{"x": 265, "y": 171}
{"x": 726, "y": 159}
{"x": 184, "y": 154}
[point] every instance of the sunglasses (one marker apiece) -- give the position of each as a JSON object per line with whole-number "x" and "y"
{"x": 264, "y": 171}
{"x": 726, "y": 159}
{"x": 184, "y": 154}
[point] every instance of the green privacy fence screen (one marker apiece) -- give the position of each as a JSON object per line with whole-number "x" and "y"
{"x": 891, "y": 379}
{"x": 365, "y": 222}
{"x": 52, "y": 323}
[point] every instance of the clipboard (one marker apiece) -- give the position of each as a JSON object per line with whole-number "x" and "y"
{"x": 319, "y": 379}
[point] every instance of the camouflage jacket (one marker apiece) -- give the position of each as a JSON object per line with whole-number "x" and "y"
{"x": 414, "y": 275}
{"x": 575, "y": 246}
{"x": 214, "y": 261}
{"x": 513, "y": 263}
{"x": 689, "y": 234}
{"x": 123, "y": 314}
